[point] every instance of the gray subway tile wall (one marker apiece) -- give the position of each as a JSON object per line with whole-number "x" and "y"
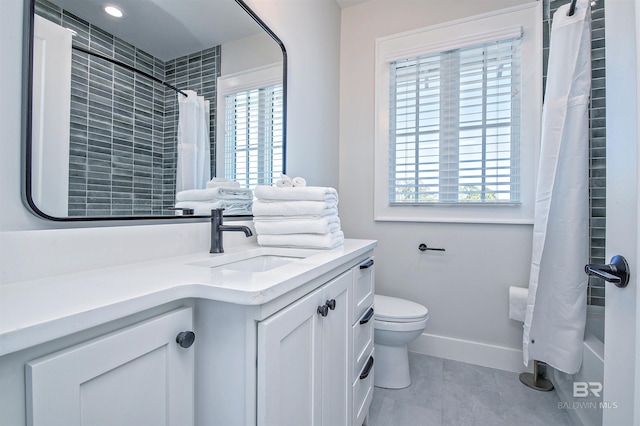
{"x": 123, "y": 124}
{"x": 597, "y": 139}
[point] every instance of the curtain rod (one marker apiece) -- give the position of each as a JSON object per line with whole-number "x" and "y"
{"x": 130, "y": 68}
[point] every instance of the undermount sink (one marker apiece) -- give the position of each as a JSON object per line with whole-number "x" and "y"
{"x": 264, "y": 260}
{"x": 259, "y": 263}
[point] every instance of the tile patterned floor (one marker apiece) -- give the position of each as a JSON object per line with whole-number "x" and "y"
{"x": 452, "y": 393}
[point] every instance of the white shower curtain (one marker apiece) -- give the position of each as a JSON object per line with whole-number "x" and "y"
{"x": 193, "y": 169}
{"x": 556, "y": 305}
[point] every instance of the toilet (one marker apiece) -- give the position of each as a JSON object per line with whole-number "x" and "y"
{"x": 396, "y": 323}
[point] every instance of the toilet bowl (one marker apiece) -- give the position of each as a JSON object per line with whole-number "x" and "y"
{"x": 396, "y": 323}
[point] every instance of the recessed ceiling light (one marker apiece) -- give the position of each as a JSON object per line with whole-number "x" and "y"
{"x": 113, "y": 11}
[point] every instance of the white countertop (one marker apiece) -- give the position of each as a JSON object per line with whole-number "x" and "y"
{"x": 34, "y": 312}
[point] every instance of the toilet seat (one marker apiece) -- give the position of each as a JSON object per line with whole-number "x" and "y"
{"x": 395, "y": 310}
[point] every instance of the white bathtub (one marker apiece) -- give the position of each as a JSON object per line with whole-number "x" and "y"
{"x": 585, "y": 410}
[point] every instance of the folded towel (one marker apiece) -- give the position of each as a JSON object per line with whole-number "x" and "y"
{"x": 284, "y": 182}
{"x": 315, "y": 241}
{"x": 215, "y": 194}
{"x": 322, "y": 225}
{"x": 201, "y": 208}
{"x": 307, "y": 193}
{"x": 299, "y": 182}
{"x": 294, "y": 208}
{"x": 280, "y": 218}
{"x": 222, "y": 183}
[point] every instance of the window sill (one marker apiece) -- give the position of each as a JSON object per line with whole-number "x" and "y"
{"x": 490, "y": 213}
{"x": 445, "y": 219}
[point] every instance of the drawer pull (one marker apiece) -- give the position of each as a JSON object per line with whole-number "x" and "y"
{"x": 365, "y": 319}
{"x": 367, "y": 369}
{"x": 367, "y": 264}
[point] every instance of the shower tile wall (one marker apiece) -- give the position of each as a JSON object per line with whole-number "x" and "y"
{"x": 198, "y": 72}
{"x": 123, "y": 124}
{"x": 597, "y": 139}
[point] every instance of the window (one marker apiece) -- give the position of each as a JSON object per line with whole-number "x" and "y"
{"x": 454, "y": 133}
{"x": 250, "y": 126}
{"x": 451, "y": 137}
{"x": 253, "y": 136}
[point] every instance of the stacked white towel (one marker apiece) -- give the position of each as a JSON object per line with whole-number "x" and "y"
{"x": 297, "y": 216}
{"x": 222, "y": 183}
{"x": 233, "y": 200}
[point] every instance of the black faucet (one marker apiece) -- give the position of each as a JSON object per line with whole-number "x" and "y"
{"x": 216, "y": 230}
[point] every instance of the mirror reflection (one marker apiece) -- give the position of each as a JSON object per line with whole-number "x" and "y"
{"x": 173, "y": 108}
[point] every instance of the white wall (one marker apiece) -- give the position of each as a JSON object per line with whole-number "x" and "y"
{"x": 250, "y": 52}
{"x": 310, "y": 31}
{"x": 466, "y": 287}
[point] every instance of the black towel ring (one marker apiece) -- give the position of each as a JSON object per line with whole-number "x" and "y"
{"x": 572, "y": 8}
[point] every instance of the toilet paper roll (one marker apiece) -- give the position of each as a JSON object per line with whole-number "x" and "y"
{"x": 518, "y": 303}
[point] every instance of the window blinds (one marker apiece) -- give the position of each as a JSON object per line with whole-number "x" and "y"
{"x": 253, "y": 136}
{"x": 455, "y": 125}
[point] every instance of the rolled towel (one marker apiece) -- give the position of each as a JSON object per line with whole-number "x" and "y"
{"x": 322, "y": 225}
{"x": 314, "y": 241}
{"x": 299, "y": 182}
{"x": 215, "y": 194}
{"x": 294, "y": 208}
{"x": 518, "y": 303}
{"x": 284, "y": 182}
{"x": 307, "y": 193}
{"x": 222, "y": 183}
{"x": 203, "y": 208}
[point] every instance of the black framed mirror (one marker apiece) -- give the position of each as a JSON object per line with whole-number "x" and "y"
{"x": 103, "y": 114}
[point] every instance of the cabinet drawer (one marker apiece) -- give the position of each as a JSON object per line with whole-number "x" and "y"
{"x": 363, "y": 391}
{"x": 362, "y": 341}
{"x": 363, "y": 288}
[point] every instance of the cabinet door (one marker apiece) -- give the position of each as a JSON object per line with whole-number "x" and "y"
{"x": 135, "y": 376}
{"x": 289, "y": 364}
{"x": 303, "y": 360}
{"x": 335, "y": 352}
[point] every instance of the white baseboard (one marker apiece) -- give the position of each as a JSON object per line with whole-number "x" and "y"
{"x": 471, "y": 352}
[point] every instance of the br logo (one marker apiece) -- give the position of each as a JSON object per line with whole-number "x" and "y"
{"x": 584, "y": 389}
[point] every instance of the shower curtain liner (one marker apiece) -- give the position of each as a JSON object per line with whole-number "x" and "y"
{"x": 556, "y": 304}
{"x": 193, "y": 169}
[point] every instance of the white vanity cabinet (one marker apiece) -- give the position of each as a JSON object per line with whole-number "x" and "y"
{"x": 315, "y": 357}
{"x": 138, "y": 375}
{"x": 303, "y": 359}
{"x": 286, "y": 346}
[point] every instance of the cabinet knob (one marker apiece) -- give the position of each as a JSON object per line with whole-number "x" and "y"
{"x": 185, "y": 338}
{"x": 323, "y": 310}
{"x": 331, "y": 304}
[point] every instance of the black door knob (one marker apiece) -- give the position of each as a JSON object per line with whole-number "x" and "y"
{"x": 186, "y": 338}
{"x": 331, "y": 304}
